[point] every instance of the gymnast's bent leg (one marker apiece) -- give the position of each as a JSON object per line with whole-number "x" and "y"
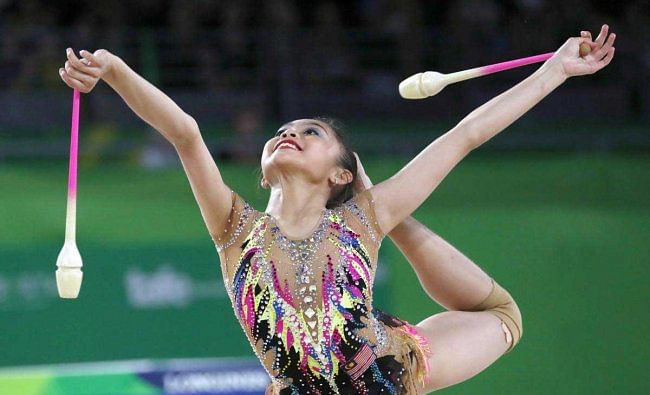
{"x": 447, "y": 275}
{"x": 452, "y": 279}
{"x": 483, "y": 323}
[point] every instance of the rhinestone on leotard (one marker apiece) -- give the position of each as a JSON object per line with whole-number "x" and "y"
{"x": 243, "y": 219}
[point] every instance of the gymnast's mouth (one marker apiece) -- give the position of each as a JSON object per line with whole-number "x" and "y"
{"x": 287, "y": 144}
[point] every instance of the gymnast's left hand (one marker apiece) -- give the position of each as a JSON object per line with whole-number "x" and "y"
{"x": 83, "y": 74}
{"x": 567, "y": 58}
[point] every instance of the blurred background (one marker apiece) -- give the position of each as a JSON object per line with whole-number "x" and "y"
{"x": 556, "y": 207}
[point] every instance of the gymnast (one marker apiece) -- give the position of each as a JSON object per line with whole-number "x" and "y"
{"x": 300, "y": 274}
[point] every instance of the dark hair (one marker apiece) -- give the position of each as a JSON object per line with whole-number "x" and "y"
{"x": 346, "y": 160}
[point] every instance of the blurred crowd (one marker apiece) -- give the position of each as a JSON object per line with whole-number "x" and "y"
{"x": 202, "y": 44}
{"x": 247, "y": 61}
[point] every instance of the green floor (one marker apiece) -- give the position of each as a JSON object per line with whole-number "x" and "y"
{"x": 566, "y": 234}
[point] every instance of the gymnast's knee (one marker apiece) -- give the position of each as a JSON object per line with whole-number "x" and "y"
{"x": 500, "y": 303}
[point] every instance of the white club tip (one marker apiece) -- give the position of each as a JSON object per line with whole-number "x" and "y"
{"x": 68, "y": 282}
{"x": 421, "y": 85}
{"x": 69, "y": 275}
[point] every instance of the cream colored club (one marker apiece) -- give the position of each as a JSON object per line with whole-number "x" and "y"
{"x": 68, "y": 273}
{"x": 429, "y": 83}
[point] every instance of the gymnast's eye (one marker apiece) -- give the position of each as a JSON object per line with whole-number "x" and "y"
{"x": 279, "y": 132}
{"x": 311, "y": 131}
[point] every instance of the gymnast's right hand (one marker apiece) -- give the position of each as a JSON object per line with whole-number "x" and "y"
{"x": 83, "y": 74}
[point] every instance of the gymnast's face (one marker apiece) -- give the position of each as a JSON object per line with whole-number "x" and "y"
{"x": 307, "y": 147}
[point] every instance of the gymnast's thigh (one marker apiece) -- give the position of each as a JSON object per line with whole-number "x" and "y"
{"x": 462, "y": 344}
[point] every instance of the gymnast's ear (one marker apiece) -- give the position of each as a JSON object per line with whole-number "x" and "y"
{"x": 342, "y": 177}
{"x": 264, "y": 184}
{"x": 347, "y": 177}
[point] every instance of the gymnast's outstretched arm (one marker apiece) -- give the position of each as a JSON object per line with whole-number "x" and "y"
{"x": 397, "y": 197}
{"x": 470, "y": 336}
{"x": 158, "y": 110}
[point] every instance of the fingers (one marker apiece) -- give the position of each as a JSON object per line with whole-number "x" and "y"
{"x": 71, "y": 82}
{"x": 605, "y": 60}
{"x": 586, "y": 34}
{"x": 81, "y": 74}
{"x": 81, "y": 65}
{"x": 76, "y": 74}
{"x": 91, "y": 58}
{"x": 604, "y": 50}
{"x": 603, "y": 34}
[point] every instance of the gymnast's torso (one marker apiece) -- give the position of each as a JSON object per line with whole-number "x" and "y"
{"x": 306, "y": 305}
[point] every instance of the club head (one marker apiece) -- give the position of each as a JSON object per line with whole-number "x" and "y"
{"x": 68, "y": 274}
{"x": 422, "y": 85}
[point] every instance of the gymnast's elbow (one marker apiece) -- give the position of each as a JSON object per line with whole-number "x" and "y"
{"x": 468, "y": 133}
{"x": 186, "y": 132}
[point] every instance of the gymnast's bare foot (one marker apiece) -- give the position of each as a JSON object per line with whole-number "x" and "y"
{"x": 362, "y": 182}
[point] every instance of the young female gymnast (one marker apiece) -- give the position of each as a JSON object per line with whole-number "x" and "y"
{"x": 300, "y": 274}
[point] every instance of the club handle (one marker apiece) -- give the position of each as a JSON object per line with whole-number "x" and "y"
{"x": 71, "y": 215}
{"x": 511, "y": 64}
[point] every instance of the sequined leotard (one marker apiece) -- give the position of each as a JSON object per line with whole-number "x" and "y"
{"x": 306, "y": 305}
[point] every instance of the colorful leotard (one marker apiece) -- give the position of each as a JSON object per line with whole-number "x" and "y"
{"x": 306, "y": 305}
